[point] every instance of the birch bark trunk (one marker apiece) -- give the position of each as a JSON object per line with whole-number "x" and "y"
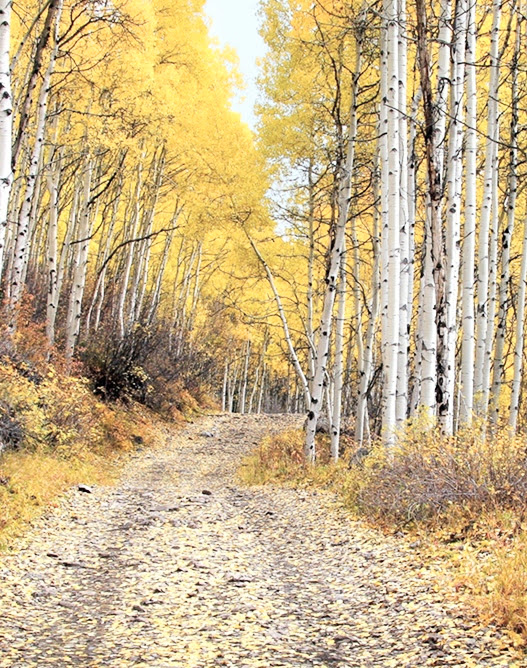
{"x": 134, "y": 226}
{"x": 491, "y": 165}
{"x": 52, "y": 250}
{"x": 283, "y": 318}
{"x": 405, "y": 305}
{"x": 245, "y": 378}
{"x": 6, "y": 123}
{"x": 21, "y": 251}
{"x": 80, "y": 266}
{"x": 433, "y": 305}
{"x": 338, "y": 365}
{"x": 393, "y": 271}
{"x": 506, "y": 236}
{"x": 453, "y": 206}
{"x": 520, "y": 336}
{"x": 466, "y": 406}
{"x": 492, "y": 302}
{"x": 366, "y": 367}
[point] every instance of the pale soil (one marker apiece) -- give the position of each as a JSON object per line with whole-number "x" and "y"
{"x": 179, "y": 567}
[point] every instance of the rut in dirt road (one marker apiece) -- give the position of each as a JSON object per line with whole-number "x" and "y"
{"x": 179, "y": 567}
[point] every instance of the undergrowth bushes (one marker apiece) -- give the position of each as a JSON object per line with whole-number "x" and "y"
{"x": 428, "y": 476}
{"x": 53, "y": 431}
{"x": 467, "y": 493}
{"x": 147, "y": 366}
{"x": 425, "y": 477}
{"x": 68, "y": 421}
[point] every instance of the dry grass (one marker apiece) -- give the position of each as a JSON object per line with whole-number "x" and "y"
{"x": 466, "y": 496}
{"x": 31, "y": 481}
{"x": 55, "y": 434}
{"x": 278, "y": 458}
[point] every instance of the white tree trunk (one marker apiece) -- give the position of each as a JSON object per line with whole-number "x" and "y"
{"x": 453, "y": 213}
{"x": 245, "y": 378}
{"x": 492, "y": 302}
{"x": 100, "y": 287}
{"x": 491, "y": 166}
{"x": 21, "y": 251}
{"x": 466, "y": 401}
{"x": 506, "y": 236}
{"x": 412, "y": 206}
{"x": 81, "y": 261}
{"x": 6, "y": 123}
{"x": 393, "y": 272}
{"x": 133, "y": 227}
{"x": 283, "y": 318}
{"x": 445, "y": 39}
{"x": 366, "y": 368}
{"x": 161, "y": 271}
{"x": 225, "y": 386}
{"x": 339, "y": 247}
{"x": 405, "y": 304}
{"x": 52, "y": 250}
{"x": 338, "y": 365}
{"x": 519, "y": 335}
{"x": 310, "y": 274}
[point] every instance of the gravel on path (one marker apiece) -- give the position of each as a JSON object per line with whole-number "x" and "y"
{"x": 179, "y": 567}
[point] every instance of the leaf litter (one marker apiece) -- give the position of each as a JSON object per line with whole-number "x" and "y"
{"x": 179, "y": 567}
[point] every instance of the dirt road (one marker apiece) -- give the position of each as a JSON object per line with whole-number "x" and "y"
{"x": 179, "y": 567}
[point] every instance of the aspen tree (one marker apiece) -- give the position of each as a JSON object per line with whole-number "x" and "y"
{"x": 433, "y": 317}
{"x": 412, "y": 203}
{"x": 446, "y": 37}
{"x": 285, "y": 325}
{"x": 367, "y": 364}
{"x": 156, "y": 296}
{"x": 244, "y": 380}
{"x": 21, "y": 250}
{"x": 335, "y": 261}
{"x": 49, "y": 28}
{"x": 393, "y": 270}
{"x": 405, "y": 305}
{"x": 143, "y": 255}
{"x": 82, "y": 244}
{"x": 6, "y": 122}
{"x": 135, "y": 203}
{"x": 507, "y": 232}
{"x": 466, "y": 406}
{"x": 519, "y": 335}
{"x": 224, "y": 387}
{"x": 338, "y": 365}
{"x": 100, "y": 285}
{"x": 492, "y": 301}
{"x": 491, "y": 166}
{"x": 52, "y": 248}
{"x": 310, "y": 269}
{"x": 453, "y": 210}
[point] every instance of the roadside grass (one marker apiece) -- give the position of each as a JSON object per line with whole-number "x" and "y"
{"x": 463, "y": 497}
{"x": 31, "y": 481}
{"x": 55, "y": 434}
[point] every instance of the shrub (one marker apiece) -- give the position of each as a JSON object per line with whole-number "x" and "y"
{"x": 11, "y": 432}
{"x": 280, "y": 458}
{"x": 145, "y": 366}
{"x": 114, "y": 365}
{"x": 428, "y": 474}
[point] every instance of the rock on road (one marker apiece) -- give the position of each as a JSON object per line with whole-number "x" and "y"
{"x": 179, "y": 567}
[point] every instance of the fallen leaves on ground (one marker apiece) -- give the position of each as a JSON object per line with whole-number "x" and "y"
{"x": 179, "y": 567}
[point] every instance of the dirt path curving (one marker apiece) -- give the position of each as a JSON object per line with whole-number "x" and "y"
{"x": 177, "y": 567}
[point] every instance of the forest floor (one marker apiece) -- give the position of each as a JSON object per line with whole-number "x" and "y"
{"x": 178, "y": 566}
